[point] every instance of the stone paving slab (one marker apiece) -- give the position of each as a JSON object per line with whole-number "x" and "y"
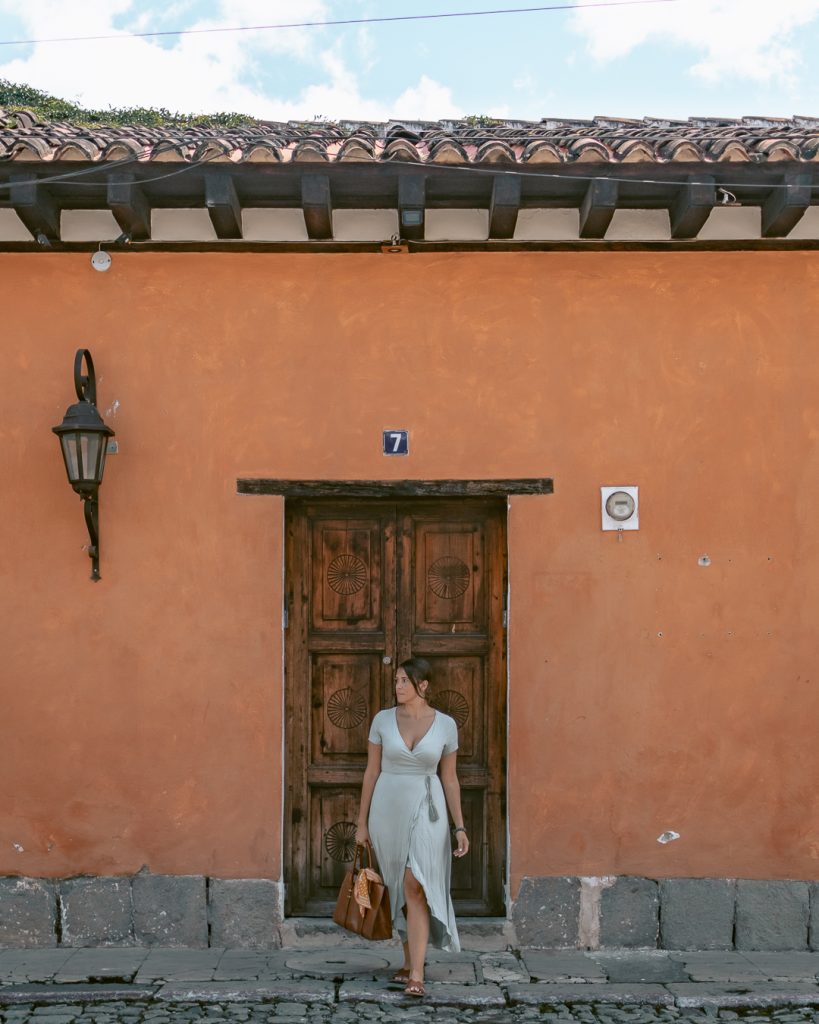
{"x": 552, "y": 994}
{"x": 793, "y": 966}
{"x": 32, "y": 965}
{"x": 180, "y": 964}
{"x": 233, "y": 992}
{"x": 501, "y": 967}
{"x": 74, "y": 993}
{"x": 697, "y": 995}
{"x": 437, "y": 994}
{"x": 646, "y": 969}
{"x": 562, "y": 966}
{"x": 89, "y": 964}
{"x": 724, "y": 967}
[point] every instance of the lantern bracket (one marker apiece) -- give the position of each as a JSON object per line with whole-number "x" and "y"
{"x": 91, "y": 507}
{"x": 85, "y": 384}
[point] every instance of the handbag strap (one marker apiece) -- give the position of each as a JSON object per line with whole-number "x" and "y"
{"x": 358, "y": 857}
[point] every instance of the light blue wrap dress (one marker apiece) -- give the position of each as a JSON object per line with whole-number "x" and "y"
{"x": 408, "y": 821}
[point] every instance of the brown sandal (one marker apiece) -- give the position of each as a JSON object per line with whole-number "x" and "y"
{"x": 415, "y": 988}
{"x": 402, "y": 975}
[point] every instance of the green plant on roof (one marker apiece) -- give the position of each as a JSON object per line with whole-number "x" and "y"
{"x": 51, "y": 108}
{"x": 480, "y": 120}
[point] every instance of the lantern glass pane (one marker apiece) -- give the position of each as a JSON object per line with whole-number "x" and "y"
{"x": 90, "y": 447}
{"x": 69, "y": 443}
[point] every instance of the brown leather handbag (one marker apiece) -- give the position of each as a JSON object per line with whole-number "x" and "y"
{"x": 363, "y": 905}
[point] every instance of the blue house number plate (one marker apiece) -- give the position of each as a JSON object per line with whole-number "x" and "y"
{"x": 396, "y": 442}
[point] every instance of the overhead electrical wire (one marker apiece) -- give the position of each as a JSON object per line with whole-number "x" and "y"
{"x": 338, "y": 22}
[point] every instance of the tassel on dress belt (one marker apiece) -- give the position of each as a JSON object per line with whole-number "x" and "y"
{"x": 433, "y": 813}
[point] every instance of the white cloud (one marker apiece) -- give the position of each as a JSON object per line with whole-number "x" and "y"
{"x": 750, "y": 39}
{"x": 206, "y": 72}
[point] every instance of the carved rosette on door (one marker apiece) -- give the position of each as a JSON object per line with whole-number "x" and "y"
{"x": 370, "y": 584}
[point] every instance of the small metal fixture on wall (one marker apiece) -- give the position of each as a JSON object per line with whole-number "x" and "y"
{"x": 84, "y": 441}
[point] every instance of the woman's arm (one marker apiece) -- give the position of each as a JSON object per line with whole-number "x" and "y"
{"x": 452, "y": 792}
{"x": 371, "y": 773}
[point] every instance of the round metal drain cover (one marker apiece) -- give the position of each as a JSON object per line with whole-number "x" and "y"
{"x": 342, "y": 961}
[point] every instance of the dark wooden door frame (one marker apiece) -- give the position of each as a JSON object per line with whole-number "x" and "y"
{"x": 296, "y": 729}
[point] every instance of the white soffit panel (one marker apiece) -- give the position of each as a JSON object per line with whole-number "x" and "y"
{"x": 808, "y": 226}
{"x": 729, "y": 222}
{"x": 88, "y": 226}
{"x": 181, "y": 226}
{"x": 548, "y": 225}
{"x": 364, "y": 225}
{"x": 640, "y": 225}
{"x": 12, "y": 229}
{"x": 266, "y": 225}
{"x": 457, "y": 225}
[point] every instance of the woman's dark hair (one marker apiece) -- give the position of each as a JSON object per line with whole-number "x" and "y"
{"x": 417, "y": 670}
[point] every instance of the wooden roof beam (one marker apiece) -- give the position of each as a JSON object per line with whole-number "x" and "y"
{"x": 127, "y": 202}
{"x": 786, "y": 205}
{"x": 35, "y": 207}
{"x": 317, "y": 205}
{"x": 223, "y": 204}
{"x": 597, "y": 208}
{"x": 503, "y": 209}
{"x": 412, "y": 190}
{"x": 693, "y": 206}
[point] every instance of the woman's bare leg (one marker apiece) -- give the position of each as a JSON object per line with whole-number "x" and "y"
{"x": 417, "y": 925}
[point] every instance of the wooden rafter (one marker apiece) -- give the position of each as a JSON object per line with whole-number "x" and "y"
{"x": 504, "y": 206}
{"x": 412, "y": 206}
{"x": 786, "y": 205}
{"x": 693, "y": 206}
{"x": 129, "y": 206}
{"x": 317, "y": 205}
{"x": 223, "y": 205}
{"x": 35, "y": 207}
{"x": 597, "y": 208}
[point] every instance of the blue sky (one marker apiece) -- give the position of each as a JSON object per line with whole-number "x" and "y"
{"x": 685, "y": 58}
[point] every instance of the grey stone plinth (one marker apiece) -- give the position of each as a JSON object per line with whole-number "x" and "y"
{"x": 244, "y": 912}
{"x": 772, "y": 915}
{"x": 629, "y": 913}
{"x": 73, "y": 994}
{"x": 697, "y": 913}
{"x": 170, "y": 910}
{"x": 551, "y": 995}
{"x": 546, "y": 912}
{"x": 438, "y": 994}
{"x": 247, "y": 992}
{"x": 28, "y": 909}
{"x": 96, "y": 912}
{"x": 691, "y": 995}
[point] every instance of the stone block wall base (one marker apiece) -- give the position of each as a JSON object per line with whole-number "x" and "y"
{"x": 193, "y": 911}
{"x": 184, "y": 911}
{"x": 670, "y": 913}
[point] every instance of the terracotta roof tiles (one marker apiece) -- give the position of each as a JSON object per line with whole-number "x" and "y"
{"x": 603, "y": 140}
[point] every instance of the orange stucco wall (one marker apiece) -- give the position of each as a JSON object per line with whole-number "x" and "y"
{"x": 142, "y": 715}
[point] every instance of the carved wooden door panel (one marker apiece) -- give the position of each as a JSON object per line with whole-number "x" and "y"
{"x": 369, "y": 584}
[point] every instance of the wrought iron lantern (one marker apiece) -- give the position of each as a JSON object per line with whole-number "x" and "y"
{"x": 84, "y": 441}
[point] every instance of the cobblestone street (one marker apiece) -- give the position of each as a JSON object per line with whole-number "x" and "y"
{"x": 301, "y": 1013}
{"x": 353, "y": 982}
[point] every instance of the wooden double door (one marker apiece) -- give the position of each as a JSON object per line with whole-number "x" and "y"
{"x": 369, "y": 584}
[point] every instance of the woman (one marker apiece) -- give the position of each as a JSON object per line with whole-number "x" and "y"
{"x": 404, "y": 814}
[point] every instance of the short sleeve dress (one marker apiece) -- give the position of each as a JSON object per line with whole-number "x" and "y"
{"x": 408, "y": 821}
